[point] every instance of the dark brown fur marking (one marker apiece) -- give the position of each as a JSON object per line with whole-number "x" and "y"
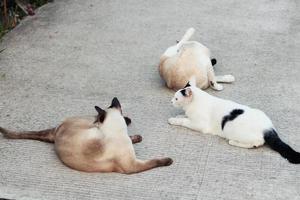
{"x": 136, "y": 138}
{"x": 93, "y": 147}
{"x": 164, "y": 162}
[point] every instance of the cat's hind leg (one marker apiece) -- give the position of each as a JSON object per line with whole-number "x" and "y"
{"x": 141, "y": 165}
{"x": 225, "y": 79}
{"x": 239, "y": 144}
{"x": 213, "y": 79}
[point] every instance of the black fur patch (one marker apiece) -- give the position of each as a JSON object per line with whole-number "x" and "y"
{"x": 115, "y": 103}
{"x": 272, "y": 139}
{"x": 187, "y": 85}
{"x": 213, "y": 61}
{"x": 233, "y": 114}
{"x": 183, "y": 92}
{"x": 127, "y": 120}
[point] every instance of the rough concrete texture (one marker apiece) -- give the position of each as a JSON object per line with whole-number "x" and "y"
{"x": 73, "y": 55}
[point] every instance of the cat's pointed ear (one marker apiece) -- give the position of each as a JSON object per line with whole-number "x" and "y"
{"x": 115, "y": 103}
{"x": 101, "y": 114}
{"x": 127, "y": 120}
{"x": 99, "y": 110}
{"x": 187, "y": 85}
{"x": 192, "y": 81}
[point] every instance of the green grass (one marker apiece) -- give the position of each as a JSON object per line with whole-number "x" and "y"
{"x": 35, "y": 3}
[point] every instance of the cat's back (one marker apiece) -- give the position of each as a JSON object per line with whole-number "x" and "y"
{"x": 251, "y": 119}
{"x": 76, "y": 131}
{"x": 73, "y": 128}
{"x": 78, "y": 122}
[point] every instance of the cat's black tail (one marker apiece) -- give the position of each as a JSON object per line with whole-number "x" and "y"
{"x": 273, "y": 140}
{"x": 47, "y": 135}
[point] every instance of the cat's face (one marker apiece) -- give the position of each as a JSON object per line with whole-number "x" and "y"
{"x": 112, "y": 115}
{"x": 183, "y": 97}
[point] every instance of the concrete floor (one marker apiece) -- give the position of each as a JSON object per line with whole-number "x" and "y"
{"x": 73, "y": 55}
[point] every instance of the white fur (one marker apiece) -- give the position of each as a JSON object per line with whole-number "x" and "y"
{"x": 205, "y": 114}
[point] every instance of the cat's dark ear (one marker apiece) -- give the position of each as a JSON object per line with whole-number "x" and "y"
{"x": 187, "y": 85}
{"x": 127, "y": 120}
{"x": 99, "y": 110}
{"x": 101, "y": 114}
{"x": 115, "y": 103}
{"x": 191, "y": 82}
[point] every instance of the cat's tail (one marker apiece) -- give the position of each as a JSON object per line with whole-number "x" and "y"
{"x": 188, "y": 34}
{"x": 273, "y": 140}
{"x": 47, "y": 135}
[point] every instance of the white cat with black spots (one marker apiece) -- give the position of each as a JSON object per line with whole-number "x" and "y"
{"x": 241, "y": 125}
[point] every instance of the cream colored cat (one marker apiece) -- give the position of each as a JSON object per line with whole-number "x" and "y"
{"x": 187, "y": 59}
{"x": 95, "y": 144}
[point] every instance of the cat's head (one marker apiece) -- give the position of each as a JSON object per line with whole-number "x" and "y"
{"x": 113, "y": 114}
{"x": 184, "y": 96}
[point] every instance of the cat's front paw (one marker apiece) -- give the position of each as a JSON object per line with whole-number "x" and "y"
{"x": 174, "y": 121}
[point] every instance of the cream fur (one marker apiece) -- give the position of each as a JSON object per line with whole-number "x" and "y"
{"x": 186, "y": 59}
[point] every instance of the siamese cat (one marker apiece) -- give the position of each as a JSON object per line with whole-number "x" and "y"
{"x": 241, "y": 125}
{"x": 95, "y": 144}
{"x": 190, "y": 58}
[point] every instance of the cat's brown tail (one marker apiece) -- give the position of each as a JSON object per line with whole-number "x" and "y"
{"x": 47, "y": 135}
